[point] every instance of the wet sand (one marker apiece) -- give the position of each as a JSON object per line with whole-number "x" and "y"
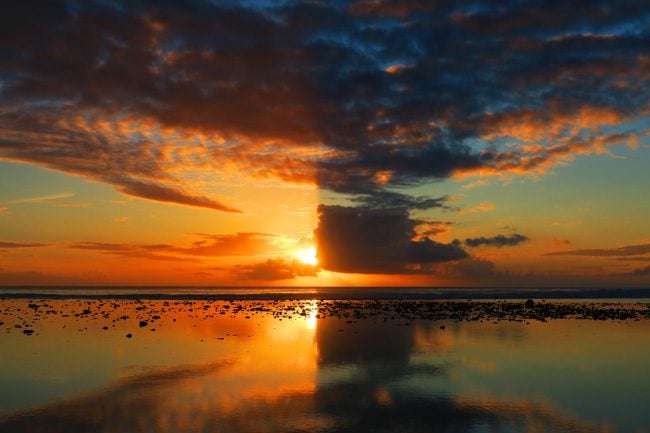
{"x": 25, "y": 315}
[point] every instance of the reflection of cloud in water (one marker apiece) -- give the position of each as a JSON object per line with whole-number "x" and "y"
{"x": 201, "y": 398}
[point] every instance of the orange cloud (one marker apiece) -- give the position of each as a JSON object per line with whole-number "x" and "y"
{"x": 481, "y": 207}
{"x": 4, "y": 245}
{"x": 206, "y": 246}
{"x": 275, "y": 269}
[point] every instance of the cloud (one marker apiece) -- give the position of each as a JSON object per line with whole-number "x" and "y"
{"x": 206, "y": 245}
{"x": 639, "y": 272}
{"x": 167, "y": 194}
{"x": 497, "y": 241}
{"x": 149, "y": 252}
{"x": 629, "y": 250}
{"x": 371, "y": 240}
{"x": 4, "y": 245}
{"x": 481, "y": 207}
{"x": 558, "y": 241}
{"x": 237, "y": 244}
{"x": 426, "y": 228}
{"x": 471, "y": 268}
{"x": 358, "y": 98}
{"x": 40, "y": 198}
{"x": 634, "y": 259}
{"x": 392, "y": 200}
{"x": 275, "y": 269}
{"x": 3, "y": 210}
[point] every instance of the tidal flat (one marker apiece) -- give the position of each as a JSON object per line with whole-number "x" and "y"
{"x": 191, "y": 365}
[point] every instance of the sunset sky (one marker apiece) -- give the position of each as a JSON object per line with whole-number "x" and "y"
{"x": 397, "y": 143}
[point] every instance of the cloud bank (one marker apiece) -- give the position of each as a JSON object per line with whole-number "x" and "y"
{"x": 354, "y": 97}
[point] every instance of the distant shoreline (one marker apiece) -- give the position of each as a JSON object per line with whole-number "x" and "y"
{"x": 320, "y": 293}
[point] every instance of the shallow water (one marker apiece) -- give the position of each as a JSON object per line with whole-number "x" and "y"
{"x": 203, "y": 371}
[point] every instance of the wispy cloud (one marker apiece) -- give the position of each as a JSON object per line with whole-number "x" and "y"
{"x": 205, "y": 246}
{"x": 628, "y": 250}
{"x": 4, "y": 245}
{"x": 39, "y": 198}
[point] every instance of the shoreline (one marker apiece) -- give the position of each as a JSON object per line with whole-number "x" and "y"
{"x": 320, "y": 293}
{"x": 24, "y": 315}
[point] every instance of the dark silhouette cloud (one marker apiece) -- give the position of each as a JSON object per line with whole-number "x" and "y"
{"x": 496, "y": 241}
{"x": 357, "y": 97}
{"x": 392, "y": 200}
{"x": 629, "y": 250}
{"x": 372, "y": 240}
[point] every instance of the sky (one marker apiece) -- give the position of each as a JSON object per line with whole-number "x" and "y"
{"x": 306, "y": 143}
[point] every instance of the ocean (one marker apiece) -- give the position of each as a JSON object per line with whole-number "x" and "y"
{"x": 323, "y": 359}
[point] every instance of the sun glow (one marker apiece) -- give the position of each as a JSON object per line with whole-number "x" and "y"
{"x": 307, "y": 256}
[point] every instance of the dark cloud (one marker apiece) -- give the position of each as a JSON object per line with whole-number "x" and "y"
{"x": 371, "y": 240}
{"x": 475, "y": 269}
{"x": 496, "y": 241}
{"x": 357, "y": 97}
{"x": 166, "y": 194}
{"x": 392, "y": 200}
{"x": 629, "y": 250}
{"x": 275, "y": 269}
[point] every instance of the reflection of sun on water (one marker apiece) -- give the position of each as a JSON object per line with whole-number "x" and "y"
{"x": 311, "y": 319}
{"x": 307, "y": 256}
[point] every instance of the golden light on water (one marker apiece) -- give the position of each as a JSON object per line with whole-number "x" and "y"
{"x": 311, "y": 320}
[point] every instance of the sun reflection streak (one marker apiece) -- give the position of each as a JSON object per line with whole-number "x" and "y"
{"x": 311, "y": 318}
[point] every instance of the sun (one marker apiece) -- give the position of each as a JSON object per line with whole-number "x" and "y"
{"x": 307, "y": 256}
